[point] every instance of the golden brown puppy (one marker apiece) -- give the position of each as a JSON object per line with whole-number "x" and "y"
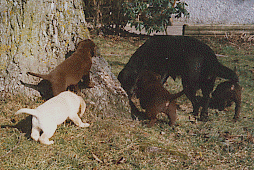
{"x": 154, "y": 98}
{"x": 71, "y": 71}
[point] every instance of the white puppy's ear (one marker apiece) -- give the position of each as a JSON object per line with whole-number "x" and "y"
{"x": 232, "y": 87}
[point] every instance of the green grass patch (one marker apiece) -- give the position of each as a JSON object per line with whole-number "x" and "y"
{"x": 118, "y": 143}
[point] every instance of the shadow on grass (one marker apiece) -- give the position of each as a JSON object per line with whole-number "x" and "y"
{"x": 24, "y": 126}
{"x": 116, "y": 63}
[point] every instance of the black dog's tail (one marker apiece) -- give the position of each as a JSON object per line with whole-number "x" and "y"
{"x": 226, "y": 73}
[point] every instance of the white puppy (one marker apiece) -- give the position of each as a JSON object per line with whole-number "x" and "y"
{"x": 54, "y": 112}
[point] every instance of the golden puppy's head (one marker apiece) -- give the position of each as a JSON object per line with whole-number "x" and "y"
{"x": 88, "y": 44}
{"x": 146, "y": 77}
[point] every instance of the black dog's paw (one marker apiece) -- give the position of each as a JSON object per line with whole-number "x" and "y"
{"x": 204, "y": 117}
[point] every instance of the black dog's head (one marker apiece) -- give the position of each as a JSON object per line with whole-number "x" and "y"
{"x": 88, "y": 44}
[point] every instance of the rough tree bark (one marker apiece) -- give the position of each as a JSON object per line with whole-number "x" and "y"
{"x": 36, "y": 35}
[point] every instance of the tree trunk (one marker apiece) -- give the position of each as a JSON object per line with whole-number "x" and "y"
{"x": 36, "y": 35}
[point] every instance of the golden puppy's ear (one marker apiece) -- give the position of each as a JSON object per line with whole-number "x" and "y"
{"x": 158, "y": 76}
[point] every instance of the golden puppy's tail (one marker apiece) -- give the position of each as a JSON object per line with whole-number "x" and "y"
{"x": 44, "y": 76}
{"x": 28, "y": 111}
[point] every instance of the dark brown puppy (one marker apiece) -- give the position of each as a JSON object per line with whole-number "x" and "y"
{"x": 225, "y": 94}
{"x": 154, "y": 98}
{"x": 71, "y": 71}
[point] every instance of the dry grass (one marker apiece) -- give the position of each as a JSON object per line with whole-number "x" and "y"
{"x": 115, "y": 143}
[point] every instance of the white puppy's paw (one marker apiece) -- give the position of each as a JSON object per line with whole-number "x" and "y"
{"x": 35, "y": 137}
{"x": 84, "y": 125}
{"x": 47, "y": 142}
{"x": 35, "y": 134}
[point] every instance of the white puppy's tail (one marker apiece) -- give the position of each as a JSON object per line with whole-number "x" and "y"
{"x": 28, "y": 111}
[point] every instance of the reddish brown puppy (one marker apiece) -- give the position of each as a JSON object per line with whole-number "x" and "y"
{"x": 225, "y": 94}
{"x": 154, "y": 98}
{"x": 71, "y": 71}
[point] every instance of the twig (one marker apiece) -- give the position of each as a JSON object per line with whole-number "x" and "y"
{"x": 220, "y": 55}
{"x": 121, "y": 160}
{"x": 96, "y": 158}
{"x": 12, "y": 148}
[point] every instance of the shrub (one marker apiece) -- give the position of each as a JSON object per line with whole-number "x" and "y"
{"x": 153, "y": 15}
{"x": 105, "y": 13}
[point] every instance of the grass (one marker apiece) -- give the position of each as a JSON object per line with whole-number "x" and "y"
{"x": 118, "y": 143}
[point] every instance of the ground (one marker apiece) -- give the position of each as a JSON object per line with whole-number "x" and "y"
{"x": 118, "y": 143}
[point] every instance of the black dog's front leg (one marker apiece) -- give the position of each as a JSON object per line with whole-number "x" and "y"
{"x": 207, "y": 88}
{"x": 237, "y": 107}
{"x": 190, "y": 92}
{"x": 204, "y": 111}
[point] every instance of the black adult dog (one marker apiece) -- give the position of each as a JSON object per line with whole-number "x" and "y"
{"x": 173, "y": 56}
